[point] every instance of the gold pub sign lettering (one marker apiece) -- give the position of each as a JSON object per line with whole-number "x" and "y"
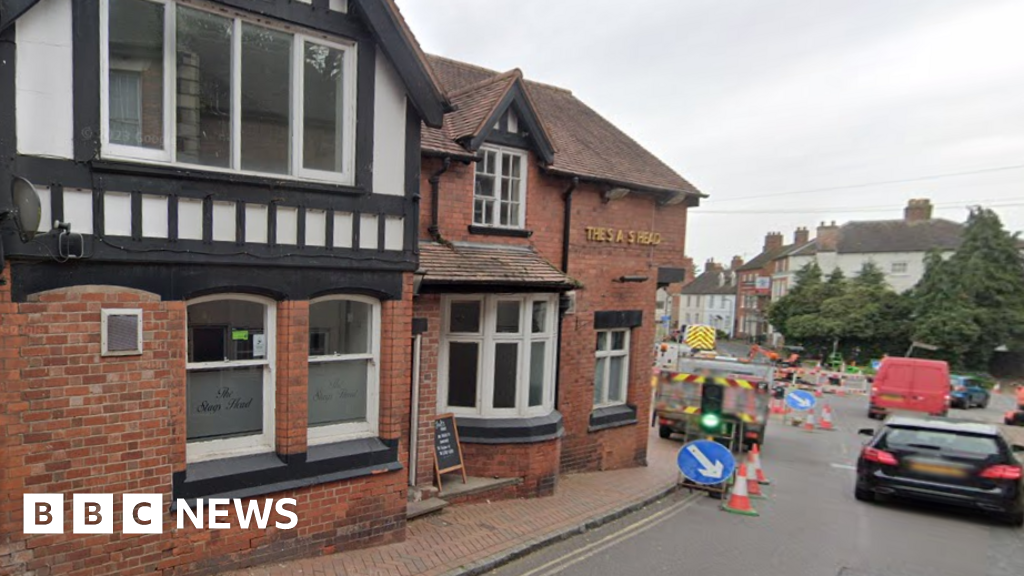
{"x": 615, "y": 236}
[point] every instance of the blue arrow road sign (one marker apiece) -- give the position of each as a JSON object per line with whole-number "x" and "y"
{"x": 706, "y": 462}
{"x": 800, "y": 400}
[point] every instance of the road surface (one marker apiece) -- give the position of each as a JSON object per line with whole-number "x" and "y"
{"x": 810, "y": 525}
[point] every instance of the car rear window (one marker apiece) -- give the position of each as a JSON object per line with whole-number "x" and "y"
{"x": 947, "y": 441}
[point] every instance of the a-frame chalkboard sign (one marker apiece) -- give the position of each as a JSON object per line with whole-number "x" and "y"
{"x": 447, "y": 450}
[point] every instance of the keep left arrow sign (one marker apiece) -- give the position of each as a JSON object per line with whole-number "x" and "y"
{"x": 708, "y": 469}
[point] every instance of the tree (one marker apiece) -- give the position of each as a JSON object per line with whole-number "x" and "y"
{"x": 870, "y": 275}
{"x": 973, "y": 303}
{"x": 863, "y": 315}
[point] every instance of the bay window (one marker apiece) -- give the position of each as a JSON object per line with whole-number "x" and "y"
{"x": 229, "y": 395}
{"x": 344, "y": 350}
{"x": 185, "y": 85}
{"x": 611, "y": 369}
{"x": 497, "y": 355}
{"x": 499, "y": 193}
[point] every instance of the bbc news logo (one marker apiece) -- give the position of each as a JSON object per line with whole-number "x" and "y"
{"x": 140, "y": 513}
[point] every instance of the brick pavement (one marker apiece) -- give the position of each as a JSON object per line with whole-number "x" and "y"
{"x": 469, "y": 538}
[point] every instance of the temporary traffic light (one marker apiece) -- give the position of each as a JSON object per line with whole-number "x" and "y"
{"x": 711, "y": 400}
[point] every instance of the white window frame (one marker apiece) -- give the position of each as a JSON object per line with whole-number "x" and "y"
{"x": 168, "y": 155}
{"x": 486, "y": 338}
{"x": 105, "y": 314}
{"x": 624, "y": 353}
{"x": 203, "y": 450}
{"x": 501, "y": 151}
{"x": 351, "y": 430}
{"x": 903, "y": 272}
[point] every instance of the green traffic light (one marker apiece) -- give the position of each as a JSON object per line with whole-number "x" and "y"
{"x": 710, "y": 421}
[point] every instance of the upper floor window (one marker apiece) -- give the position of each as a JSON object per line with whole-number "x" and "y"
{"x": 497, "y": 355}
{"x": 898, "y": 268}
{"x": 499, "y": 193}
{"x": 183, "y": 85}
{"x": 229, "y": 387}
{"x": 344, "y": 337}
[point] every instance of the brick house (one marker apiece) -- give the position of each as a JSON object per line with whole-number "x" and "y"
{"x": 225, "y": 309}
{"x": 754, "y": 285}
{"x": 545, "y": 232}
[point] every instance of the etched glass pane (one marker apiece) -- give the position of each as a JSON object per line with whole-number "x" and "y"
{"x": 224, "y": 403}
{"x": 337, "y": 392}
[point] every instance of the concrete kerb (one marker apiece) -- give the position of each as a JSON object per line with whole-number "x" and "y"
{"x": 517, "y": 552}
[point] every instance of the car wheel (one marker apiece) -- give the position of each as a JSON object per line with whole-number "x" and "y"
{"x": 664, "y": 431}
{"x": 863, "y": 495}
{"x": 984, "y": 403}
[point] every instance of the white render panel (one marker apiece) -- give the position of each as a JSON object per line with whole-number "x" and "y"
{"x": 43, "y": 82}
{"x": 256, "y": 223}
{"x": 154, "y": 216}
{"x": 190, "y": 219}
{"x": 224, "y": 221}
{"x": 342, "y": 230}
{"x": 117, "y": 214}
{"x": 388, "y": 130}
{"x": 316, "y": 228}
{"x": 287, "y": 225}
{"x": 338, "y": 5}
{"x": 45, "y": 212}
{"x": 368, "y": 231}
{"x": 394, "y": 232}
{"x": 78, "y": 210}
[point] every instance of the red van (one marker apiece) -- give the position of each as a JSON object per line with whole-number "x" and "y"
{"x": 910, "y": 384}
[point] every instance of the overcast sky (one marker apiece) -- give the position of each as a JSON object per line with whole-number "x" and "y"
{"x": 751, "y": 99}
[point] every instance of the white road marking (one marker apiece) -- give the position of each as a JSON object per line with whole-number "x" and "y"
{"x": 614, "y": 538}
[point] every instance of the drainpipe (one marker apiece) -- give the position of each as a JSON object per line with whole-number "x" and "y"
{"x": 415, "y": 415}
{"x": 566, "y": 229}
{"x": 435, "y": 185}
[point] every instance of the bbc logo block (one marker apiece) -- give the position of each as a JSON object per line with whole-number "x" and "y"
{"x": 92, "y": 513}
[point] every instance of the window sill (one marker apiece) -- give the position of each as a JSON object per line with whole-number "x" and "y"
{"x": 259, "y": 474}
{"x": 168, "y": 170}
{"x": 507, "y": 232}
{"x": 612, "y": 417}
{"x": 528, "y": 430}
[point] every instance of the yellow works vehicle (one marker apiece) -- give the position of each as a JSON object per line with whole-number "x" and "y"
{"x": 745, "y": 391}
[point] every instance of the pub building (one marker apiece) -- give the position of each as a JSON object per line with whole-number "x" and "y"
{"x": 545, "y": 233}
{"x": 218, "y": 301}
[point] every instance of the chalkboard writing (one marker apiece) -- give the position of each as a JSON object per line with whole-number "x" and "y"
{"x": 447, "y": 451}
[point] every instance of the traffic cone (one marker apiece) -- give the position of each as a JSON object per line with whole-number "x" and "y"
{"x": 753, "y": 486}
{"x": 809, "y": 421}
{"x": 739, "y": 500}
{"x": 826, "y": 418}
{"x": 755, "y": 457}
{"x": 817, "y": 392}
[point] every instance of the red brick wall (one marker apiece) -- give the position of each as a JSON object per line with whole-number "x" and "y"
{"x": 72, "y": 421}
{"x": 429, "y": 307}
{"x": 595, "y": 264}
{"x": 537, "y": 464}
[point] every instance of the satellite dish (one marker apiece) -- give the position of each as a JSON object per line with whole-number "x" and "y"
{"x": 27, "y": 207}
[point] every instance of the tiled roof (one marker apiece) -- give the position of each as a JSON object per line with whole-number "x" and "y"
{"x": 474, "y": 104}
{"x": 496, "y": 265}
{"x": 899, "y": 236}
{"x": 762, "y": 259}
{"x": 710, "y": 283}
{"x": 586, "y": 145}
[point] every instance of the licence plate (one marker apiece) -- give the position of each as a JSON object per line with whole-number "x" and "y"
{"x": 891, "y": 397}
{"x": 938, "y": 470}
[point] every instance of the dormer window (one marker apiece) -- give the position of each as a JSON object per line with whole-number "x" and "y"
{"x": 499, "y": 195}
{"x": 188, "y": 86}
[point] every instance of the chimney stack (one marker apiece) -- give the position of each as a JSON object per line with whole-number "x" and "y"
{"x": 711, "y": 265}
{"x": 828, "y": 237}
{"x": 772, "y": 241}
{"x": 801, "y": 236}
{"x": 737, "y": 261}
{"x": 918, "y": 210}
